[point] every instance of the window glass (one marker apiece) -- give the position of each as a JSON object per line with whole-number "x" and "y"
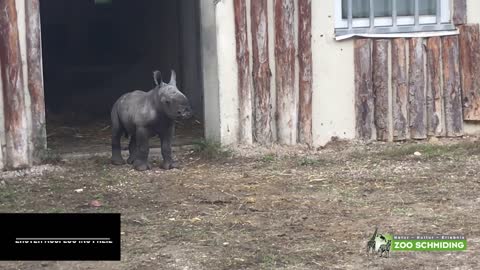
{"x": 427, "y": 7}
{"x": 407, "y": 7}
{"x": 383, "y": 8}
{"x": 360, "y": 8}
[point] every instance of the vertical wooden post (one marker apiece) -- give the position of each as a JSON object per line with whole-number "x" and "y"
{"x": 305, "y": 72}
{"x": 261, "y": 72}
{"x": 244, "y": 83}
{"x": 15, "y": 111}
{"x": 435, "y": 116}
{"x": 399, "y": 89}
{"x": 287, "y": 103}
{"x": 364, "y": 97}
{"x": 469, "y": 41}
{"x": 35, "y": 78}
{"x": 459, "y": 12}
{"x": 452, "y": 88}
{"x": 380, "y": 87}
{"x": 417, "y": 106}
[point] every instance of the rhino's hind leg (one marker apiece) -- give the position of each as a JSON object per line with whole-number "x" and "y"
{"x": 132, "y": 148}
{"x": 117, "y": 132}
{"x": 141, "y": 154}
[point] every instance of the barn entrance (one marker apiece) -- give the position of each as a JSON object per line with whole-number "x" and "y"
{"x": 94, "y": 51}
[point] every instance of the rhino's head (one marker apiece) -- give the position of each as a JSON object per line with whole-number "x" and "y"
{"x": 172, "y": 102}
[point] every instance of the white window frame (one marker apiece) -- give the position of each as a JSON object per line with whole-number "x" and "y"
{"x": 387, "y": 25}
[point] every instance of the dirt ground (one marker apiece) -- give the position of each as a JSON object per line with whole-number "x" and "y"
{"x": 269, "y": 208}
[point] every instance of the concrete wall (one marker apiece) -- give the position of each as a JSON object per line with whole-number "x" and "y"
{"x": 219, "y": 71}
{"x": 209, "y": 70}
{"x": 333, "y": 78}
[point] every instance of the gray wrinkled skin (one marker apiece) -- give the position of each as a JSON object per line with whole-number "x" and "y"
{"x": 142, "y": 115}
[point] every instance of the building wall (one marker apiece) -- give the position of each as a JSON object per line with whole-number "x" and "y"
{"x": 333, "y": 78}
{"x": 334, "y": 109}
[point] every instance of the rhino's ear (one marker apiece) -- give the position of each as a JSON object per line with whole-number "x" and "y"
{"x": 157, "y": 78}
{"x": 173, "y": 78}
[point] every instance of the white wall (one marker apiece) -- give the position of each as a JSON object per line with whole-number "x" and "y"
{"x": 473, "y": 11}
{"x": 209, "y": 70}
{"x": 227, "y": 72}
{"x": 333, "y": 78}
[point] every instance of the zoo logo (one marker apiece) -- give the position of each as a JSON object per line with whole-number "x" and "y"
{"x": 379, "y": 244}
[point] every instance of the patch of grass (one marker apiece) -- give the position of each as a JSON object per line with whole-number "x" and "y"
{"x": 7, "y": 195}
{"x": 268, "y": 158}
{"x": 211, "y": 150}
{"x": 269, "y": 260}
{"x": 307, "y": 161}
{"x": 430, "y": 151}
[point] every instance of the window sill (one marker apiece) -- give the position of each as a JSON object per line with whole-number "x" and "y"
{"x": 342, "y": 34}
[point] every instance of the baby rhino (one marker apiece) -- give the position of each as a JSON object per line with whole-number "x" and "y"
{"x": 142, "y": 115}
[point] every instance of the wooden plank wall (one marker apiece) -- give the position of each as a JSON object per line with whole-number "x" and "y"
{"x": 459, "y": 12}
{"x": 426, "y": 79}
{"x": 15, "y": 111}
{"x": 35, "y": 79}
{"x": 292, "y": 54}
{"x": 439, "y": 92}
{"x": 399, "y": 89}
{"x": 244, "y": 79}
{"x": 380, "y": 87}
{"x": 470, "y": 70}
{"x": 364, "y": 103}
{"x": 435, "y": 117}
{"x": 24, "y": 141}
{"x": 261, "y": 73}
{"x": 305, "y": 65}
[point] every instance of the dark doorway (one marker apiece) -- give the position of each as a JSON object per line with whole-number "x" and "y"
{"x": 96, "y": 50}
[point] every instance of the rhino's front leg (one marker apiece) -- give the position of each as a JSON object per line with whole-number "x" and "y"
{"x": 132, "y": 148}
{"x": 141, "y": 154}
{"x": 167, "y": 139}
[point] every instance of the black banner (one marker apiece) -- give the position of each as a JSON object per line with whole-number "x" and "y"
{"x": 60, "y": 237}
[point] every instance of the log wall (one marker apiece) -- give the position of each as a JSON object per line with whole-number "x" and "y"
{"x": 285, "y": 103}
{"x": 427, "y": 77}
{"x": 406, "y": 88}
{"x": 22, "y": 131}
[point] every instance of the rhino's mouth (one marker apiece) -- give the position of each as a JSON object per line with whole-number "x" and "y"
{"x": 186, "y": 115}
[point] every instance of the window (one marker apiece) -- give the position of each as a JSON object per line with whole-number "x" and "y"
{"x": 387, "y": 17}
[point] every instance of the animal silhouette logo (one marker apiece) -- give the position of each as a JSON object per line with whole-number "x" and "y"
{"x": 379, "y": 244}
